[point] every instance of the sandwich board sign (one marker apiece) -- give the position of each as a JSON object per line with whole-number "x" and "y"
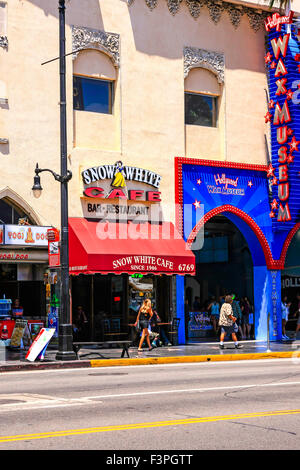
{"x": 40, "y": 344}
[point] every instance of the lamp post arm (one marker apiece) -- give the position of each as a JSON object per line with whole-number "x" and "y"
{"x": 57, "y": 177}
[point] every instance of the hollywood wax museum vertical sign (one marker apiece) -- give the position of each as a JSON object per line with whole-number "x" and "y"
{"x": 274, "y": 303}
{"x": 282, "y": 61}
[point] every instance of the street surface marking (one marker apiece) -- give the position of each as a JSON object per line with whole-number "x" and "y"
{"x": 154, "y": 424}
{"x": 191, "y": 390}
{"x": 31, "y": 402}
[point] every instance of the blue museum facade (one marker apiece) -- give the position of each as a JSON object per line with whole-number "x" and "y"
{"x": 262, "y": 201}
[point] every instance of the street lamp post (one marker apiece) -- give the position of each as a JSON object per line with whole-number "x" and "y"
{"x": 65, "y": 337}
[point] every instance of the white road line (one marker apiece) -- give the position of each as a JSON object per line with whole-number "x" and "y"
{"x": 89, "y": 400}
{"x": 192, "y": 390}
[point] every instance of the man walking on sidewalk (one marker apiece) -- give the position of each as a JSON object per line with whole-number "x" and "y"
{"x": 227, "y": 322}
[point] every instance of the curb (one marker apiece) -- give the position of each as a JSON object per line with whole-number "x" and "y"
{"x": 190, "y": 359}
{"x": 45, "y": 365}
{"x": 146, "y": 361}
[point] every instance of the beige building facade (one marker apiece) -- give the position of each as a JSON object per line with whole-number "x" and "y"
{"x": 152, "y": 52}
{"x": 151, "y": 56}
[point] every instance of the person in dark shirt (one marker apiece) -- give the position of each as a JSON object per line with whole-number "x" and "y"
{"x": 297, "y": 314}
{"x": 196, "y": 304}
{"x": 144, "y": 316}
{"x": 79, "y": 323}
{"x": 155, "y": 319}
{"x": 237, "y": 313}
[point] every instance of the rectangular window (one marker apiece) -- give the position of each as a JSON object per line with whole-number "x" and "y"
{"x": 200, "y": 110}
{"x": 91, "y": 94}
{"x": 3, "y": 12}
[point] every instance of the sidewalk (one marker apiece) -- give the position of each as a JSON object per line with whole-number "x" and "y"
{"x": 193, "y": 352}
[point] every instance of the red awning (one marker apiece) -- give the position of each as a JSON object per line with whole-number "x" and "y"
{"x": 109, "y": 247}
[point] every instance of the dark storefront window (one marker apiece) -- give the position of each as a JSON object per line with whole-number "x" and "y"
{"x": 31, "y": 293}
{"x": 8, "y": 272}
{"x": 111, "y": 302}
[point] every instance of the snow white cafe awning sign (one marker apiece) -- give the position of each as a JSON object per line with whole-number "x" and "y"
{"x": 282, "y": 61}
{"x": 119, "y": 192}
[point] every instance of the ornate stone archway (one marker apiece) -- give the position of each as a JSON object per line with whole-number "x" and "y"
{"x": 20, "y": 203}
{"x": 88, "y": 38}
{"x": 212, "y": 61}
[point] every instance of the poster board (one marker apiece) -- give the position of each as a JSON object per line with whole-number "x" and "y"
{"x": 40, "y": 344}
{"x": 21, "y": 335}
{"x": 199, "y": 324}
{"x": 34, "y": 328}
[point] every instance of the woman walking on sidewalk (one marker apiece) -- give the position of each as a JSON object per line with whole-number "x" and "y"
{"x": 144, "y": 317}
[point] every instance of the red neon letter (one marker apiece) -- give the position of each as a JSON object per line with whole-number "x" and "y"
{"x": 117, "y": 193}
{"x": 93, "y": 192}
{"x": 135, "y": 193}
{"x": 153, "y": 196}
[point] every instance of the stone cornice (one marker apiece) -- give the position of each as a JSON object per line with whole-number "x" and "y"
{"x": 212, "y": 61}
{"x": 87, "y": 38}
{"x": 216, "y": 8}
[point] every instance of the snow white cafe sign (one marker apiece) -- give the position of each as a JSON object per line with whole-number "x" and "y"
{"x": 119, "y": 193}
{"x": 282, "y": 61}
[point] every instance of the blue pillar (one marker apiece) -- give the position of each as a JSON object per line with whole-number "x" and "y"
{"x": 275, "y": 305}
{"x": 267, "y": 299}
{"x": 180, "y": 308}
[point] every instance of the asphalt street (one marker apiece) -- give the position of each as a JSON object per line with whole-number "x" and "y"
{"x": 229, "y": 405}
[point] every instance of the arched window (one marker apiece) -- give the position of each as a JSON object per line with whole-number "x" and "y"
{"x": 201, "y": 98}
{"x": 12, "y": 214}
{"x": 94, "y": 79}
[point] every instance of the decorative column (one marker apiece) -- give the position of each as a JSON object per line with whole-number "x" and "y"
{"x": 267, "y": 295}
{"x": 180, "y": 308}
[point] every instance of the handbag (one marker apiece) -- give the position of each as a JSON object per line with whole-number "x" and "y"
{"x": 138, "y": 327}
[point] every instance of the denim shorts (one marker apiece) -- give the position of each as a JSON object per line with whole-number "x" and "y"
{"x": 228, "y": 330}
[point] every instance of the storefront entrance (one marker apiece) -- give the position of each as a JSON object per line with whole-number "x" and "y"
{"x": 24, "y": 283}
{"x": 224, "y": 265}
{"x": 241, "y": 194}
{"x": 111, "y": 302}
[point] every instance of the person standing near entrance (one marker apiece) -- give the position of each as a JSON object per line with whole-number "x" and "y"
{"x": 196, "y": 304}
{"x": 227, "y": 322}
{"x": 237, "y": 313}
{"x": 79, "y": 324}
{"x": 214, "y": 310}
{"x": 246, "y": 312}
{"x": 143, "y": 318}
{"x": 285, "y": 310}
{"x": 297, "y": 314}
